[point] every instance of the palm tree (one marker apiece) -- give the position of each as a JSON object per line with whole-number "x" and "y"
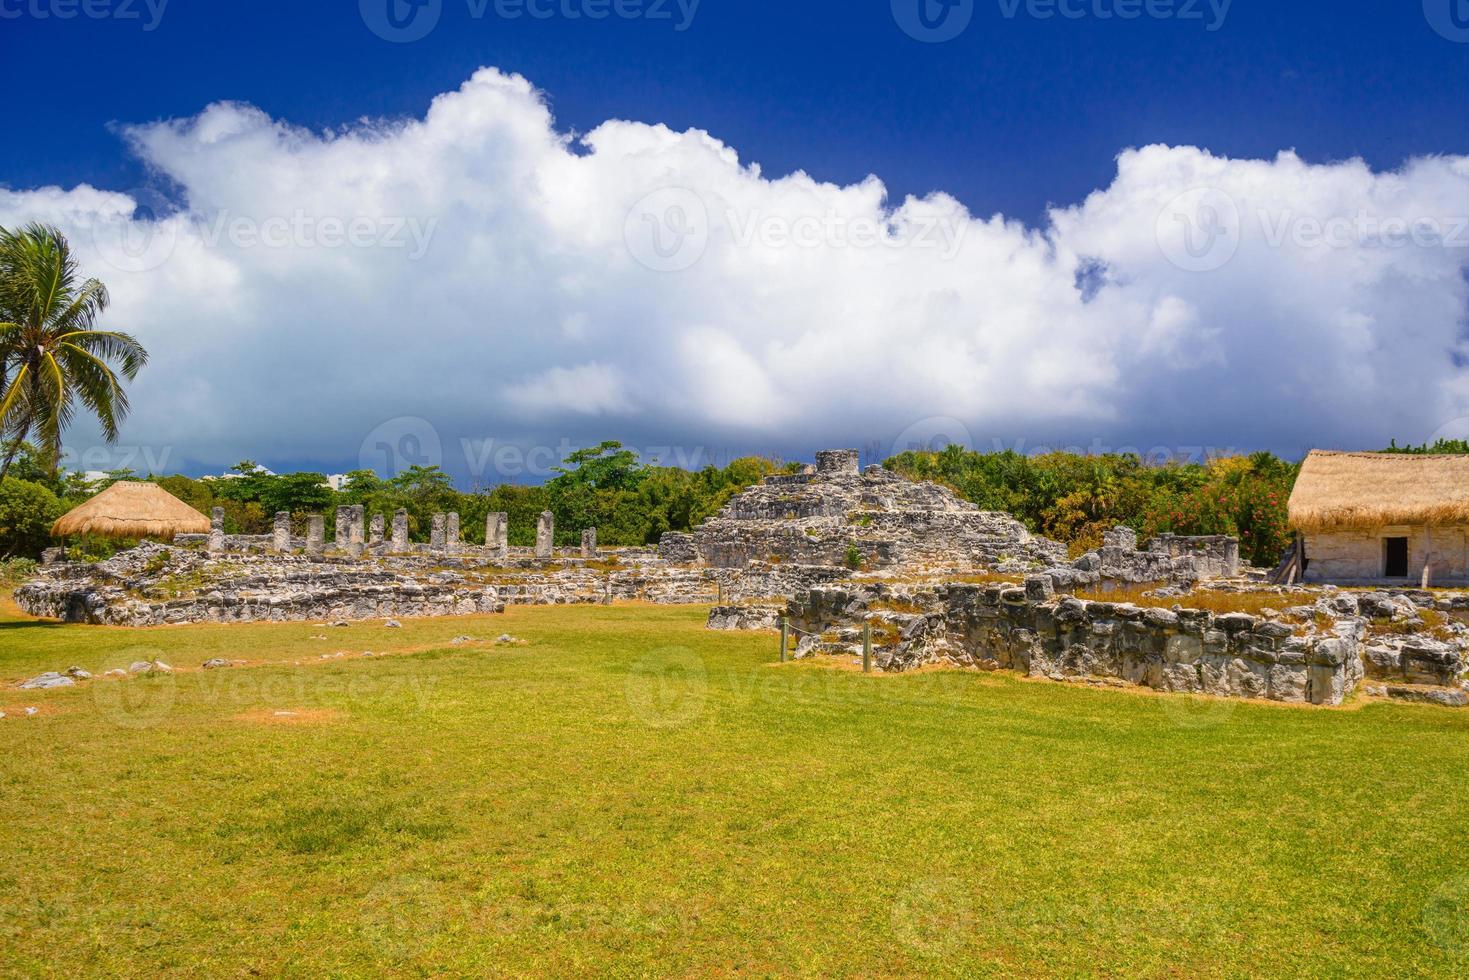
{"x": 52, "y": 357}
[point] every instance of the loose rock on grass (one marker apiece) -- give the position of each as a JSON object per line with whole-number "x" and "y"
{"x": 47, "y": 681}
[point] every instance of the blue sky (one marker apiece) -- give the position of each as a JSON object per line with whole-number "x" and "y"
{"x": 1025, "y": 108}
{"x": 1014, "y": 114}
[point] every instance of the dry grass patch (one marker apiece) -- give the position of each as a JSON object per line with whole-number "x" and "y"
{"x": 290, "y": 716}
{"x": 896, "y": 606}
{"x": 987, "y": 578}
{"x": 1254, "y": 603}
{"x": 19, "y": 712}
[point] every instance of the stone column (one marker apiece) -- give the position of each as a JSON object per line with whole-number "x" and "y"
{"x": 839, "y": 463}
{"x": 343, "y": 528}
{"x": 437, "y": 536}
{"x": 216, "y": 530}
{"x": 281, "y": 541}
{"x": 316, "y": 535}
{"x": 451, "y": 533}
{"x": 375, "y": 531}
{"x": 497, "y": 534}
{"x": 545, "y": 535}
{"x": 589, "y": 543}
{"x": 400, "y": 531}
{"x": 357, "y": 530}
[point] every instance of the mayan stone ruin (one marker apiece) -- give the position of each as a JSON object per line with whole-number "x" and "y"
{"x": 841, "y": 557}
{"x": 789, "y": 533}
{"x": 834, "y": 514}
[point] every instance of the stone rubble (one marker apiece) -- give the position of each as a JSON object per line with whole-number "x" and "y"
{"x": 47, "y": 681}
{"x": 1320, "y": 656}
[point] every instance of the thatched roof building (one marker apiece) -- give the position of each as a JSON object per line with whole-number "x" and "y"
{"x": 132, "y": 510}
{"x": 1382, "y": 517}
{"x": 1361, "y": 490}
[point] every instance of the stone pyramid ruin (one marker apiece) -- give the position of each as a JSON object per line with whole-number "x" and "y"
{"x": 835, "y": 513}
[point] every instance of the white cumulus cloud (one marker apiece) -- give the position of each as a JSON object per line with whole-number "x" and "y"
{"x": 505, "y": 281}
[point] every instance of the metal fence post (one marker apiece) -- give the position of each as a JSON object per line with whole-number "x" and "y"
{"x": 785, "y": 638}
{"x": 866, "y": 648}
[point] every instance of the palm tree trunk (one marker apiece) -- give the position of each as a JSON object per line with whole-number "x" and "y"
{"x": 11, "y": 449}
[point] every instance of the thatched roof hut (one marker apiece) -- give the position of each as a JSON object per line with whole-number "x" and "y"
{"x": 132, "y": 510}
{"x": 1338, "y": 491}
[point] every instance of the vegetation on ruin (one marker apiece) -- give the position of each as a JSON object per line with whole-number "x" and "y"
{"x": 631, "y": 794}
{"x": 902, "y": 606}
{"x": 192, "y": 582}
{"x": 981, "y": 578}
{"x": 1254, "y": 603}
{"x": 1431, "y": 623}
{"x": 1075, "y": 499}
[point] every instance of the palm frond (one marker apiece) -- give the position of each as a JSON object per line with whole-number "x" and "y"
{"x": 52, "y": 359}
{"x": 110, "y": 345}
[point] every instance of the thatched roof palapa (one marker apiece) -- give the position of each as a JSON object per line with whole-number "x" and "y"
{"x": 1339, "y": 491}
{"x": 132, "y": 510}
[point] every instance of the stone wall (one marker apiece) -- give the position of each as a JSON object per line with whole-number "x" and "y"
{"x": 1000, "y": 627}
{"x": 144, "y": 587}
{"x": 678, "y": 547}
{"x": 160, "y": 584}
{"x": 1177, "y": 561}
{"x": 1214, "y": 556}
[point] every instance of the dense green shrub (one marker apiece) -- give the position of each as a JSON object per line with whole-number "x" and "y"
{"x": 16, "y": 570}
{"x": 27, "y": 511}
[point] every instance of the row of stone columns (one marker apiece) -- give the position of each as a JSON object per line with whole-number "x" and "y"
{"x": 444, "y": 535}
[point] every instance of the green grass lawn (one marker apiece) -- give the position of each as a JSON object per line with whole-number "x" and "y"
{"x": 630, "y": 794}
